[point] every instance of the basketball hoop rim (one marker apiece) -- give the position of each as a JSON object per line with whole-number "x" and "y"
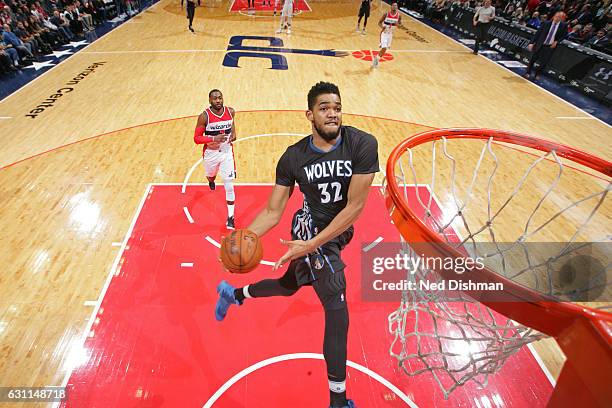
{"x": 558, "y": 311}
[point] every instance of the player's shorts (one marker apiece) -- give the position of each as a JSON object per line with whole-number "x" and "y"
{"x": 216, "y": 161}
{"x": 328, "y": 281}
{"x": 364, "y": 10}
{"x": 323, "y": 271}
{"x": 385, "y": 39}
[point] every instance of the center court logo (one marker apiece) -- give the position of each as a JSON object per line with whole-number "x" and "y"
{"x": 273, "y": 51}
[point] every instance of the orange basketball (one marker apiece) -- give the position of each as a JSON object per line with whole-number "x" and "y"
{"x": 241, "y": 251}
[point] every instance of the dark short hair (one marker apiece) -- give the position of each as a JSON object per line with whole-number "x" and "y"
{"x": 321, "y": 88}
{"x": 213, "y": 91}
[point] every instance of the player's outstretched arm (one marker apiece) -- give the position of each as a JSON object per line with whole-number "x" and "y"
{"x": 357, "y": 197}
{"x": 270, "y": 216}
{"x": 382, "y": 19}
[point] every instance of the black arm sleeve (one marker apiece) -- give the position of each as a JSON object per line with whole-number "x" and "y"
{"x": 284, "y": 171}
{"x": 365, "y": 160}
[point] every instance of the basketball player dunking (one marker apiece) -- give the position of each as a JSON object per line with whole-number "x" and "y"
{"x": 216, "y": 131}
{"x": 387, "y": 23}
{"x": 334, "y": 168}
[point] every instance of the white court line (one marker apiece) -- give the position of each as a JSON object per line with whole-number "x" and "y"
{"x": 514, "y": 73}
{"x": 109, "y": 278}
{"x": 218, "y": 245}
{"x": 6, "y": 117}
{"x": 268, "y": 135}
{"x": 542, "y": 365}
{"x": 188, "y": 175}
{"x": 574, "y": 117}
{"x": 373, "y": 244}
{"x": 90, "y": 303}
{"x": 188, "y": 215}
{"x": 212, "y": 241}
{"x": 225, "y": 50}
{"x": 187, "y": 264}
{"x": 192, "y": 169}
{"x": 206, "y": 184}
{"x": 300, "y": 356}
{"x": 116, "y": 244}
{"x": 255, "y": 15}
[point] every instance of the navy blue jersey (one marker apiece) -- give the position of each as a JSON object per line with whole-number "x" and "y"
{"x": 324, "y": 177}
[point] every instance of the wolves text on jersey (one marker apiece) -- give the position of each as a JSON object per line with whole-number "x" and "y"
{"x": 326, "y": 169}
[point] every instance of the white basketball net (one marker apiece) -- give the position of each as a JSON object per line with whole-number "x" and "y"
{"x": 452, "y": 337}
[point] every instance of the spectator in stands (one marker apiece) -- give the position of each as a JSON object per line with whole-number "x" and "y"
{"x": 518, "y": 14}
{"x": 6, "y": 65}
{"x": 62, "y": 38}
{"x": 585, "y": 15}
{"x": 5, "y": 16}
{"x": 584, "y": 35}
{"x": 74, "y": 19}
{"x": 534, "y": 21}
{"x": 600, "y": 41}
{"x": 545, "y": 41}
{"x": 10, "y": 52}
{"x": 532, "y": 5}
{"x": 37, "y": 46}
{"x": 103, "y": 9}
{"x": 438, "y": 11}
{"x": 508, "y": 10}
{"x": 43, "y": 13}
{"x": 62, "y": 24}
{"x": 11, "y": 40}
{"x": 86, "y": 18}
{"x": 91, "y": 9}
{"x": 37, "y": 29}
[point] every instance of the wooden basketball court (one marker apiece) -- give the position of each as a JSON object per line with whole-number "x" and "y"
{"x": 97, "y": 290}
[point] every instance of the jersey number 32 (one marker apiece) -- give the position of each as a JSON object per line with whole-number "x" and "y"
{"x": 326, "y": 195}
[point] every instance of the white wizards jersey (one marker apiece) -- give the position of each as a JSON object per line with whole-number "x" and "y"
{"x": 219, "y": 125}
{"x": 391, "y": 21}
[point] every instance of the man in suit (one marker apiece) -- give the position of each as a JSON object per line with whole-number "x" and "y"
{"x": 545, "y": 41}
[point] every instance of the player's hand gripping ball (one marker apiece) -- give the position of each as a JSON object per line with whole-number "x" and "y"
{"x": 241, "y": 251}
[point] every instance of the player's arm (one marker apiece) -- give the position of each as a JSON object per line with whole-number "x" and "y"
{"x": 357, "y": 197}
{"x": 233, "y": 135}
{"x": 270, "y": 216}
{"x": 399, "y": 22}
{"x": 199, "y": 137}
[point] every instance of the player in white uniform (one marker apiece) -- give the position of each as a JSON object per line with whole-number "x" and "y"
{"x": 286, "y": 16}
{"x": 387, "y": 23}
{"x": 216, "y": 131}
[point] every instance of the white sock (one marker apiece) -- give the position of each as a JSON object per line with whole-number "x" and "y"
{"x": 230, "y": 210}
